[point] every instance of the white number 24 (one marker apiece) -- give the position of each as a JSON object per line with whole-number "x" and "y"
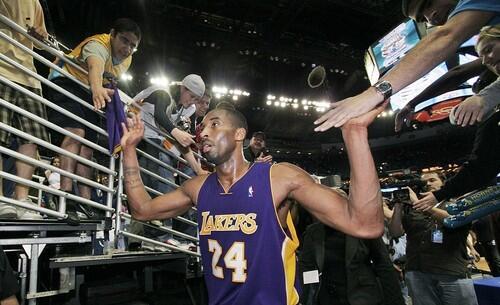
{"x": 234, "y": 259}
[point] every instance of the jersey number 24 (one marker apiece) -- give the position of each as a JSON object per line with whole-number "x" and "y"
{"x": 233, "y": 259}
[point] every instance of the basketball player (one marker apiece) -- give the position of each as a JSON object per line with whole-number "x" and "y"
{"x": 247, "y": 238}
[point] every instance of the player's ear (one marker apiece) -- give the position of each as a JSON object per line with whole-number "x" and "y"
{"x": 240, "y": 134}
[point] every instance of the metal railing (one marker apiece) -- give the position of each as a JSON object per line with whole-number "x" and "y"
{"x": 104, "y": 164}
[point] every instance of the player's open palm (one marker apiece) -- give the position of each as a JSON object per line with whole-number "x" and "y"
{"x": 366, "y": 119}
{"x": 343, "y": 111}
{"x": 133, "y": 133}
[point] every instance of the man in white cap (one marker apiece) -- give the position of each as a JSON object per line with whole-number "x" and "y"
{"x": 163, "y": 107}
{"x": 182, "y": 96}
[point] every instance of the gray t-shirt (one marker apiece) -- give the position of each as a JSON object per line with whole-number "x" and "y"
{"x": 93, "y": 48}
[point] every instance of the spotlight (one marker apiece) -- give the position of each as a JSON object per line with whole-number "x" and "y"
{"x": 276, "y": 103}
{"x": 282, "y": 104}
{"x": 161, "y": 81}
{"x": 269, "y": 103}
{"x": 126, "y": 77}
{"x": 235, "y": 97}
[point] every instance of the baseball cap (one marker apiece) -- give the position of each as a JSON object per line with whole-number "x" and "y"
{"x": 259, "y": 134}
{"x": 195, "y": 84}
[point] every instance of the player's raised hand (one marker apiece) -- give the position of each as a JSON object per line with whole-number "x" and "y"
{"x": 366, "y": 119}
{"x": 132, "y": 133}
{"x": 343, "y": 111}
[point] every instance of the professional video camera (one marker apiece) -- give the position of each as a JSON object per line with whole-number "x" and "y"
{"x": 395, "y": 188}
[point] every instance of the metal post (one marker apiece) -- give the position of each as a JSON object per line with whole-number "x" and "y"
{"x": 33, "y": 273}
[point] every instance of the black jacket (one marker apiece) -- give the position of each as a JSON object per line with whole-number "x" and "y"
{"x": 371, "y": 277}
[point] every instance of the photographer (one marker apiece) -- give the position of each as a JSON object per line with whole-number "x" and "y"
{"x": 436, "y": 268}
{"x": 177, "y": 97}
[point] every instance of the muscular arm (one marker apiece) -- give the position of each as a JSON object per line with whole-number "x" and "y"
{"x": 142, "y": 206}
{"x": 361, "y": 214}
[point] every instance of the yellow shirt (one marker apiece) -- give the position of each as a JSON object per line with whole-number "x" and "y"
{"x": 109, "y": 67}
{"x": 25, "y": 13}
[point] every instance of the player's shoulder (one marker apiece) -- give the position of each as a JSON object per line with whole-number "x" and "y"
{"x": 287, "y": 170}
{"x": 192, "y": 186}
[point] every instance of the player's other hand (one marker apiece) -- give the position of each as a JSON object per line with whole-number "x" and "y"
{"x": 133, "y": 133}
{"x": 342, "y": 111}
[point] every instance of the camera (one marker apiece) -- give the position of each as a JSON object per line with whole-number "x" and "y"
{"x": 184, "y": 124}
{"x": 401, "y": 195}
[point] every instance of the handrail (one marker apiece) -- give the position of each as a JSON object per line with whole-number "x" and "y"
{"x": 54, "y": 148}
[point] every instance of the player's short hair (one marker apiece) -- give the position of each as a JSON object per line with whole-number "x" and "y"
{"x": 237, "y": 118}
{"x": 225, "y": 105}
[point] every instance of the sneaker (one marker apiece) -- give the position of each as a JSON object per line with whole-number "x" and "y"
{"x": 26, "y": 214}
{"x": 72, "y": 219}
{"x": 7, "y": 211}
{"x": 148, "y": 247}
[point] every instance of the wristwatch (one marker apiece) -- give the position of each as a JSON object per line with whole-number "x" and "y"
{"x": 383, "y": 87}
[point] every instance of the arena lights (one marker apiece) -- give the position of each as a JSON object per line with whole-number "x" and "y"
{"x": 385, "y": 114}
{"x": 160, "y": 80}
{"x": 126, "y": 77}
{"x": 294, "y": 103}
{"x": 235, "y": 94}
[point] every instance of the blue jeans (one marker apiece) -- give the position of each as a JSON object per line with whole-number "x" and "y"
{"x": 436, "y": 289}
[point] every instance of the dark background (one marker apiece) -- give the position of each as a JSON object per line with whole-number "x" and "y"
{"x": 268, "y": 47}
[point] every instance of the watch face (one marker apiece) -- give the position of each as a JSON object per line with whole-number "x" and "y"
{"x": 384, "y": 87}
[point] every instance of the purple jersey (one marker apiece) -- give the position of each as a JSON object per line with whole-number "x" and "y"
{"x": 248, "y": 259}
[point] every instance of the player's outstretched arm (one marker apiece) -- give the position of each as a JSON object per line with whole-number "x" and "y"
{"x": 361, "y": 214}
{"x": 324, "y": 203}
{"x": 141, "y": 205}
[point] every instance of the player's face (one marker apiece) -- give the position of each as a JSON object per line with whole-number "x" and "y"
{"x": 218, "y": 140}
{"x": 489, "y": 51}
{"x": 123, "y": 44}
{"x": 433, "y": 181}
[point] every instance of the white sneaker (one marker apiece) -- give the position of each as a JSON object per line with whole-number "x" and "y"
{"x": 26, "y": 214}
{"x": 7, "y": 211}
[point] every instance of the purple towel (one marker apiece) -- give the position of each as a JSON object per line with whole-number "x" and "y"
{"x": 115, "y": 115}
